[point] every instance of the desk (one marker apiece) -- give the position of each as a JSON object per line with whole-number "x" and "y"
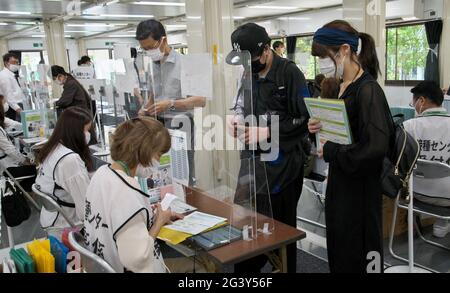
{"x": 241, "y": 250}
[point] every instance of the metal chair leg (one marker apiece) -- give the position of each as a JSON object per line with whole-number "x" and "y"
{"x": 391, "y": 239}
{"x": 419, "y": 232}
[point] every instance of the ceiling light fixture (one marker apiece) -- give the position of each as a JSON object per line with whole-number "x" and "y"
{"x": 127, "y": 15}
{"x": 122, "y": 36}
{"x": 15, "y": 12}
{"x": 273, "y": 7}
{"x": 154, "y": 3}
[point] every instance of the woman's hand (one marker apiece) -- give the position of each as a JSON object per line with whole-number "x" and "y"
{"x": 314, "y": 126}
{"x": 161, "y": 219}
{"x": 176, "y": 217}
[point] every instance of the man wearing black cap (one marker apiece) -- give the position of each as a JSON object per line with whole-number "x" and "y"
{"x": 278, "y": 89}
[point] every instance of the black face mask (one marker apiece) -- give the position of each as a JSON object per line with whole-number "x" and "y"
{"x": 257, "y": 66}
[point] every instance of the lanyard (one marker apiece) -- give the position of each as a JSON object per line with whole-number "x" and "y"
{"x": 125, "y": 167}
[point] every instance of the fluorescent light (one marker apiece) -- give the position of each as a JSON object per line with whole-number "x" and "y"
{"x": 153, "y": 3}
{"x": 95, "y": 24}
{"x": 273, "y": 7}
{"x": 111, "y": 2}
{"x": 194, "y": 17}
{"x": 294, "y": 18}
{"x": 26, "y": 22}
{"x": 176, "y": 26}
{"x": 238, "y": 17}
{"x": 122, "y": 36}
{"x": 3, "y": 23}
{"x": 127, "y": 15}
{"x": 15, "y": 12}
{"x": 409, "y": 18}
{"x": 83, "y": 32}
{"x": 43, "y": 36}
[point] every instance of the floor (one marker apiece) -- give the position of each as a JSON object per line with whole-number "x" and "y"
{"x": 312, "y": 253}
{"x": 311, "y": 208}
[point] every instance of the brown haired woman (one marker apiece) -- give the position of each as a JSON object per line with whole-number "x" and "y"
{"x": 65, "y": 161}
{"x": 354, "y": 200}
{"x": 120, "y": 225}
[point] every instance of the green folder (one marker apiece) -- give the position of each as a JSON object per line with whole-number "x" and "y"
{"x": 24, "y": 263}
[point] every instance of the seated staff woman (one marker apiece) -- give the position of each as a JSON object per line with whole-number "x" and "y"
{"x": 65, "y": 161}
{"x": 10, "y": 157}
{"x": 120, "y": 226}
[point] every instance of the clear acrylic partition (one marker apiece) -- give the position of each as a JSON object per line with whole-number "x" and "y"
{"x": 229, "y": 174}
{"x": 24, "y": 81}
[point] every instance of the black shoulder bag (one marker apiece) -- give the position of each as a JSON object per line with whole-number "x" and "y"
{"x": 14, "y": 205}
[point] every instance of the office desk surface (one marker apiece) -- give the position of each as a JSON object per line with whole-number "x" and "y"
{"x": 242, "y": 250}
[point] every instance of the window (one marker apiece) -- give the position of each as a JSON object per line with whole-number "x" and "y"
{"x": 406, "y": 53}
{"x": 99, "y": 54}
{"x": 31, "y": 59}
{"x": 303, "y": 58}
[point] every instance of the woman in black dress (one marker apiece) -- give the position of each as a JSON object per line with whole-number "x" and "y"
{"x": 354, "y": 196}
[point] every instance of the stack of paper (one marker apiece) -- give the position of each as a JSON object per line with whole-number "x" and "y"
{"x": 196, "y": 223}
{"x": 191, "y": 225}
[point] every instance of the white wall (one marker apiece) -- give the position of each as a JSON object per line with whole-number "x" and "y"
{"x": 302, "y": 23}
{"x": 398, "y": 96}
{"x": 101, "y": 42}
{"x": 25, "y": 44}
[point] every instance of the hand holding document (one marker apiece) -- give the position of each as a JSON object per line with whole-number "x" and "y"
{"x": 329, "y": 120}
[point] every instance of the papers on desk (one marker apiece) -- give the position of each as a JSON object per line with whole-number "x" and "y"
{"x": 196, "y": 223}
{"x": 333, "y": 117}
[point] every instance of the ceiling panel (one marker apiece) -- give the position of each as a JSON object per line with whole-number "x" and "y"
{"x": 254, "y": 9}
{"x": 118, "y": 12}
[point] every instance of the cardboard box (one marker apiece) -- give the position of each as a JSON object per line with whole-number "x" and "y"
{"x": 401, "y": 225}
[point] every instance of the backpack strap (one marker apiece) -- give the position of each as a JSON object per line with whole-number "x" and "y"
{"x": 57, "y": 187}
{"x": 281, "y": 72}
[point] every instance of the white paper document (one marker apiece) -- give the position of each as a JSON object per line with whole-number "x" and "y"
{"x": 196, "y": 223}
{"x": 167, "y": 201}
{"x": 196, "y": 75}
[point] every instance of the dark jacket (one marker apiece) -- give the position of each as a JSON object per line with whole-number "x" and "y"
{"x": 74, "y": 95}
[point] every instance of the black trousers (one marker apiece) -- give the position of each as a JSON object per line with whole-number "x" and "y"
{"x": 24, "y": 171}
{"x": 284, "y": 208}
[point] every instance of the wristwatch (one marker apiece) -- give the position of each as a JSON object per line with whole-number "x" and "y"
{"x": 172, "y": 105}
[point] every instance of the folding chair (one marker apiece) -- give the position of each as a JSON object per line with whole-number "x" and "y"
{"x": 90, "y": 262}
{"x": 52, "y": 206}
{"x": 425, "y": 173}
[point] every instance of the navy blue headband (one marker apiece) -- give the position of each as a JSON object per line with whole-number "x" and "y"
{"x": 335, "y": 37}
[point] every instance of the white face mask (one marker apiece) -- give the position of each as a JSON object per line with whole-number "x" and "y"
{"x": 87, "y": 137}
{"x": 328, "y": 68}
{"x": 156, "y": 54}
{"x": 14, "y": 68}
{"x": 146, "y": 172}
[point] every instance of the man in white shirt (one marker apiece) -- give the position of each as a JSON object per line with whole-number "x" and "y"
{"x": 431, "y": 128}
{"x": 10, "y": 86}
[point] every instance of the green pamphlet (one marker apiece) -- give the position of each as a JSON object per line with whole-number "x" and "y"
{"x": 334, "y": 119}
